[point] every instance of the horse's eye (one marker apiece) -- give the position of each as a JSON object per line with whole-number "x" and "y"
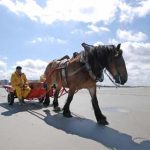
{"x": 118, "y": 53}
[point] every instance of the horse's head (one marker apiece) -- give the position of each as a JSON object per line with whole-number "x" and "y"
{"x": 109, "y": 57}
{"x": 116, "y": 65}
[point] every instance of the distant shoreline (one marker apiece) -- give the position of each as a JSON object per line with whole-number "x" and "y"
{"x": 107, "y": 86}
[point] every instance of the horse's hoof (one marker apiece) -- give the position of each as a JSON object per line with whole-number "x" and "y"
{"x": 57, "y": 109}
{"x": 68, "y": 115}
{"x": 103, "y": 122}
{"x": 46, "y": 102}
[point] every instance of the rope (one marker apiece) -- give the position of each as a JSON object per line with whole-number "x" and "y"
{"x": 116, "y": 85}
{"x": 63, "y": 91}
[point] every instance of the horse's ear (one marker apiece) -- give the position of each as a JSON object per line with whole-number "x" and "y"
{"x": 87, "y": 47}
{"x": 118, "y": 46}
{"x": 83, "y": 44}
{"x": 119, "y": 51}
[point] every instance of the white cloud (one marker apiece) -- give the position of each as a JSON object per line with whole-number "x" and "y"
{"x": 3, "y": 58}
{"x": 76, "y": 10}
{"x": 96, "y": 29}
{"x": 91, "y": 30}
{"x": 36, "y": 40}
{"x": 128, "y": 12}
{"x": 65, "y": 10}
{"x": 77, "y": 31}
{"x": 137, "y": 56}
{"x": 48, "y": 39}
{"x": 3, "y": 67}
{"x": 113, "y": 41}
{"x": 143, "y": 9}
{"x": 32, "y": 68}
{"x": 98, "y": 43}
{"x": 131, "y": 36}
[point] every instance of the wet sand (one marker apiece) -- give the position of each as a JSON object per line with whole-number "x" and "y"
{"x": 34, "y": 127}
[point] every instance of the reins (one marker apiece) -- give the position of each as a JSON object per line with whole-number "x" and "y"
{"x": 116, "y": 85}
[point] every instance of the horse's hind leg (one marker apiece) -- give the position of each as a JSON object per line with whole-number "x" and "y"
{"x": 101, "y": 119}
{"x": 46, "y": 100}
{"x": 55, "y": 101}
{"x": 66, "y": 109}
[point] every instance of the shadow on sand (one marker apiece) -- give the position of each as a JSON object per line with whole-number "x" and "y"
{"x": 16, "y": 108}
{"x": 84, "y": 128}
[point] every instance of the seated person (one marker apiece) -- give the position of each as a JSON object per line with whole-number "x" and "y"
{"x": 19, "y": 83}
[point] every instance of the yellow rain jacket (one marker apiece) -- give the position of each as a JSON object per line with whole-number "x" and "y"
{"x": 20, "y": 85}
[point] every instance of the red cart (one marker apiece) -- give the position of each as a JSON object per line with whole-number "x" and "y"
{"x": 38, "y": 91}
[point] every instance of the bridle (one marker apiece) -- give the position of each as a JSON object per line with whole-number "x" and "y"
{"x": 84, "y": 60}
{"x": 111, "y": 79}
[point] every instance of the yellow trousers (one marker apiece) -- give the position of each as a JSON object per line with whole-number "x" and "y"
{"x": 22, "y": 92}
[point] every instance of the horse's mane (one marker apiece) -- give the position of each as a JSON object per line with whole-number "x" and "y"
{"x": 98, "y": 56}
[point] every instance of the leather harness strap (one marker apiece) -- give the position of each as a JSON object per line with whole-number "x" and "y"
{"x": 63, "y": 67}
{"x": 84, "y": 60}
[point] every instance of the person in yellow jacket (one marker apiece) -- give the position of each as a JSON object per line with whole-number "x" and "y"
{"x": 19, "y": 83}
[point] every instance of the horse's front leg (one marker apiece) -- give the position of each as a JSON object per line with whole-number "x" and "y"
{"x": 101, "y": 119}
{"x": 66, "y": 108}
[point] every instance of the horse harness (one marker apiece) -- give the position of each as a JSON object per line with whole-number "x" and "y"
{"x": 63, "y": 65}
{"x": 84, "y": 59}
{"x": 63, "y": 73}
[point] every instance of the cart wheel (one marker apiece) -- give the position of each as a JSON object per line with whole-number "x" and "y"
{"x": 10, "y": 98}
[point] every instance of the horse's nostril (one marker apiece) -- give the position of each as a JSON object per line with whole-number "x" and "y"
{"x": 117, "y": 79}
{"x": 122, "y": 83}
{"x": 120, "y": 80}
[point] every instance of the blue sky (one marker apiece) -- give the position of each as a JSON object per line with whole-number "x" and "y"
{"x": 34, "y": 32}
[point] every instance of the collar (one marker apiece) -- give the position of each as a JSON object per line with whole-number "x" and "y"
{"x": 84, "y": 59}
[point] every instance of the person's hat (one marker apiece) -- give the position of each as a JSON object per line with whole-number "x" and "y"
{"x": 18, "y": 67}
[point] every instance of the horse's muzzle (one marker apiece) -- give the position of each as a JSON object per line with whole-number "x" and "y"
{"x": 120, "y": 80}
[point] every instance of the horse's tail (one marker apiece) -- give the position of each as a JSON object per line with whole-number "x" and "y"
{"x": 48, "y": 68}
{"x": 51, "y": 72}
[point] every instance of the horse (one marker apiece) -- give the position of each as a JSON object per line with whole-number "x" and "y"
{"x": 84, "y": 71}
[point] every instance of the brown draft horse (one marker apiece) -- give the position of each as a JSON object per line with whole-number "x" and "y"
{"x": 84, "y": 71}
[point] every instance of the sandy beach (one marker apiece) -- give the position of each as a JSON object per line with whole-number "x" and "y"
{"x": 33, "y": 127}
